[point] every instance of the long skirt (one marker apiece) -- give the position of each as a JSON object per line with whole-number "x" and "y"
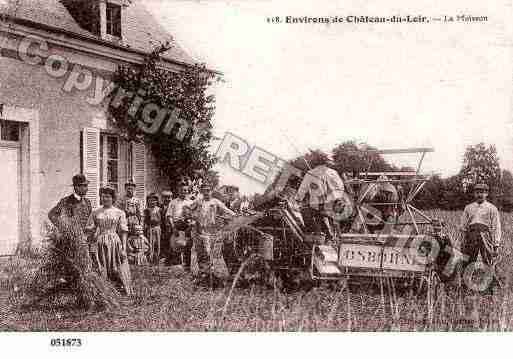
{"x": 154, "y": 234}
{"x": 137, "y": 250}
{"x": 112, "y": 261}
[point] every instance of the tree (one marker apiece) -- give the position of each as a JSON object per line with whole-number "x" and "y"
{"x": 454, "y": 195}
{"x": 506, "y": 191}
{"x": 306, "y": 162}
{"x": 180, "y": 147}
{"x": 431, "y": 195}
{"x": 309, "y": 160}
{"x": 480, "y": 165}
{"x": 352, "y": 158}
{"x": 348, "y": 157}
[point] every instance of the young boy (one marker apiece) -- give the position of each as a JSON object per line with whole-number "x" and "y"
{"x": 152, "y": 223}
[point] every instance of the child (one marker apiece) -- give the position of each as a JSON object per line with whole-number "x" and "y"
{"x": 138, "y": 246}
{"x": 152, "y": 223}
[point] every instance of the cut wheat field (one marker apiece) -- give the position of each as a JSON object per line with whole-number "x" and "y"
{"x": 166, "y": 300}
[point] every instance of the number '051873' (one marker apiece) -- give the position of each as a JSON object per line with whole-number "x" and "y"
{"x": 66, "y": 342}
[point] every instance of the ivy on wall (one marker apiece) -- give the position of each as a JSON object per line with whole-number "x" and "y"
{"x": 153, "y": 97}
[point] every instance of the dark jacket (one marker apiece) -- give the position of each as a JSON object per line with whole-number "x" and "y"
{"x": 71, "y": 207}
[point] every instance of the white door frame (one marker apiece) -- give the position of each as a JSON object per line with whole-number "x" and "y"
{"x": 30, "y": 187}
{"x": 16, "y": 145}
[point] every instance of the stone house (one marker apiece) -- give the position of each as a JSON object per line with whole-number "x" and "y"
{"x": 56, "y": 58}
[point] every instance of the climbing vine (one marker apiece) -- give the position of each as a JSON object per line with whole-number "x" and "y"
{"x": 145, "y": 105}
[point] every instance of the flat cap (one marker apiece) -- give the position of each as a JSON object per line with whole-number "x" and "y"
{"x": 481, "y": 187}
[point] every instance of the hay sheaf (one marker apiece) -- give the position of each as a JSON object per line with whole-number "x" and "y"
{"x": 67, "y": 270}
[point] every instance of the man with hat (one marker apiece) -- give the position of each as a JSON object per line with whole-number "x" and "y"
{"x": 131, "y": 206}
{"x": 75, "y": 205}
{"x": 77, "y": 208}
{"x": 207, "y": 213}
{"x": 481, "y": 227}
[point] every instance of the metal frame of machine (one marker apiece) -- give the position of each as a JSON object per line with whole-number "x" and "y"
{"x": 362, "y": 254}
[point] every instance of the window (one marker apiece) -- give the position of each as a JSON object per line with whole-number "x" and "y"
{"x": 116, "y": 161}
{"x": 9, "y": 131}
{"x": 113, "y": 20}
{"x": 109, "y": 161}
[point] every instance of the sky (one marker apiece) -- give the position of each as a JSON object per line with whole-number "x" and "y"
{"x": 293, "y": 87}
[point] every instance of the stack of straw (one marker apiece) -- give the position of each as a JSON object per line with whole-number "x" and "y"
{"x": 67, "y": 268}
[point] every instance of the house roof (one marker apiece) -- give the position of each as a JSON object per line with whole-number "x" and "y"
{"x": 143, "y": 32}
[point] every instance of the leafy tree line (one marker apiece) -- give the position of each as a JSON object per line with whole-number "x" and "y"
{"x": 480, "y": 164}
{"x": 348, "y": 157}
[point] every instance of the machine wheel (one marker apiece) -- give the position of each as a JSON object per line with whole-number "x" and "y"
{"x": 295, "y": 279}
{"x": 254, "y": 270}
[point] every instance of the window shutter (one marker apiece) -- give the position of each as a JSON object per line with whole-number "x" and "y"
{"x": 139, "y": 170}
{"x": 91, "y": 163}
{"x": 125, "y": 167}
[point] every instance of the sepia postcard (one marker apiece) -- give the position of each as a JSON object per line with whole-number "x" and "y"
{"x": 254, "y": 166}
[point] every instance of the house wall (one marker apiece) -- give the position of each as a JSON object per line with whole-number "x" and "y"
{"x": 62, "y": 116}
{"x": 155, "y": 179}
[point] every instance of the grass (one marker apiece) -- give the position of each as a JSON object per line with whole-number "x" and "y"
{"x": 166, "y": 300}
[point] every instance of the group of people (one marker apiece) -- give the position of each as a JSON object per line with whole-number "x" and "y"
{"x": 122, "y": 231}
{"x": 167, "y": 228}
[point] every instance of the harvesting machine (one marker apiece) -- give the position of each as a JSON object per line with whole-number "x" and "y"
{"x": 381, "y": 235}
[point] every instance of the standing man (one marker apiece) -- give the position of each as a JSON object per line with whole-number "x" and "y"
{"x": 176, "y": 216}
{"x": 75, "y": 205}
{"x": 207, "y": 214}
{"x": 481, "y": 227}
{"x": 75, "y": 208}
{"x": 132, "y": 207}
{"x": 165, "y": 225}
